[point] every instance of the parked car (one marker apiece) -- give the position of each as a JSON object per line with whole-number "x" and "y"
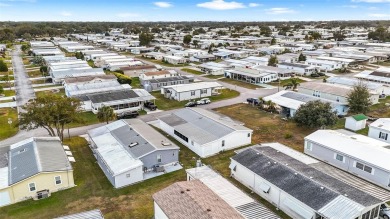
{"x": 384, "y": 211}
{"x": 150, "y": 105}
{"x": 191, "y": 104}
{"x": 203, "y": 101}
{"x": 253, "y": 101}
{"x": 127, "y": 115}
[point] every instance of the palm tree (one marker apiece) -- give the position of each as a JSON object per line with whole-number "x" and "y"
{"x": 106, "y": 114}
{"x": 294, "y": 83}
{"x": 271, "y": 106}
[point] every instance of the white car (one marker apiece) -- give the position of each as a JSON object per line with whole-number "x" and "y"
{"x": 203, "y": 101}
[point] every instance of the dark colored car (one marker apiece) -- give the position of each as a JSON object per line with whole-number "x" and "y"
{"x": 253, "y": 101}
{"x": 384, "y": 211}
{"x": 127, "y": 115}
{"x": 150, "y": 106}
{"x": 191, "y": 104}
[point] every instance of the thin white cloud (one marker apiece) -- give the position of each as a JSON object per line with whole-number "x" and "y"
{"x": 253, "y": 5}
{"x": 350, "y": 6}
{"x": 221, "y": 5}
{"x": 126, "y": 15}
{"x": 379, "y": 15}
{"x": 371, "y": 1}
{"x": 4, "y": 5}
{"x": 163, "y": 4}
{"x": 279, "y": 11}
{"x": 372, "y": 8}
{"x": 66, "y": 13}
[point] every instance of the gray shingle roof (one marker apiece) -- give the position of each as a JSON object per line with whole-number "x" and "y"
{"x": 93, "y": 214}
{"x": 36, "y": 155}
{"x": 112, "y": 96}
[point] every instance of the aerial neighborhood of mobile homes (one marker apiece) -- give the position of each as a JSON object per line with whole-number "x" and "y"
{"x": 200, "y": 146}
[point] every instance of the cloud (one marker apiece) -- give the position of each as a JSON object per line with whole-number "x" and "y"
{"x": 221, "y": 5}
{"x": 372, "y": 8}
{"x": 379, "y": 15}
{"x": 350, "y": 6}
{"x": 371, "y": 1}
{"x": 279, "y": 11}
{"x": 253, "y": 5}
{"x": 163, "y": 4}
{"x": 66, "y": 13}
{"x": 126, "y": 15}
{"x": 4, "y": 5}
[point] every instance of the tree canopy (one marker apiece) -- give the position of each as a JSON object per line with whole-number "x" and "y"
{"x": 51, "y": 112}
{"x": 187, "y": 39}
{"x": 145, "y": 39}
{"x": 359, "y": 99}
{"x": 273, "y": 60}
{"x": 105, "y": 114}
{"x": 3, "y": 66}
{"x": 315, "y": 114}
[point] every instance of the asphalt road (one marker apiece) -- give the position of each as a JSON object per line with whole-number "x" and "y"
{"x": 23, "y": 87}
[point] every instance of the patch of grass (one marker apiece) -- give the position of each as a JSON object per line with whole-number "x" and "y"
{"x": 224, "y": 94}
{"x": 214, "y": 76}
{"x": 6, "y": 129}
{"x": 285, "y": 82}
{"x": 240, "y": 83}
{"x": 89, "y": 119}
{"x": 34, "y": 74}
{"x": 192, "y": 71}
{"x": 267, "y": 127}
{"x": 135, "y": 82}
{"x": 60, "y": 93}
{"x": 381, "y": 109}
{"x": 91, "y": 63}
{"x": 8, "y": 93}
{"x": 383, "y": 63}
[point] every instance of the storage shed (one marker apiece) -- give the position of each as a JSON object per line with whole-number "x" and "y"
{"x": 356, "y": 122}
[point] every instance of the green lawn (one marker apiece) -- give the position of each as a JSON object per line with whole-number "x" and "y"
{"x": 383, "y": 63}
{"x": 192, "y": 71}
{"x": 91, "y": 63}
{"x": 60, "y": 93}
{"x": 163, "y": 103}
{"x": 381, "y": 109}
{"x": 34, "y": 74}
{"x": 285, "y": 82}
{"x": 240, "y": 83}
{"x": 135, "y": 83}
{"x": 8, "y": 93}
{"x": 89, "y": 119}
{"x": 7, "y": 130}
{"x": 214, "y": 76}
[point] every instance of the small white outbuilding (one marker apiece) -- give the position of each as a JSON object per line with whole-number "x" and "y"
{"x": 356, "y": 122}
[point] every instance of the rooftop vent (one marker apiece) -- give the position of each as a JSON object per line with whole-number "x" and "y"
{"x": 23, "y": 150}
{"x": 165, "y": 143}
{"x": 208, "y": 209}
{"x": 188, "y": 190}
{"x": 322, "y": 188}
{"x": 181, "y": 192}
{"x": 133, "y": 144}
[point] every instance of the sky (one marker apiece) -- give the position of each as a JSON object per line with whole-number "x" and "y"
{"x": 193, "y": 10}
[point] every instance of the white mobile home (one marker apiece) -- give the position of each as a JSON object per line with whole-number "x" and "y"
{"x": 204, "y": 132}
{"x": 286, "y": 179}
{"x": 324, "y": 65}
{"x": 360, "y": 155}
{"x": 298, "y": 68}
{"x": 380, "y": 130}
{"x": 130, "y": 151}
{"x": 192, "y": 91}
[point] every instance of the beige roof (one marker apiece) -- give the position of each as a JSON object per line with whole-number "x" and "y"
{"x": 157, "y": 73}
{"x": 137, "y": 67}
{"x": 327, "y": 88}
{"x": 193, "y": 200}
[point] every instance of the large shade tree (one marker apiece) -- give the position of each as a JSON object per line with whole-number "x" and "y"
{"x": 315, "y": 114}
{"x": 51, "y": 112}
{"x": 359, "y": 99}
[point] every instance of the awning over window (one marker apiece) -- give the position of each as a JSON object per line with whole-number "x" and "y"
{"x": 297, "y": 209}
{"x": 264, "y": 187}
{"x": 232, "y": 166}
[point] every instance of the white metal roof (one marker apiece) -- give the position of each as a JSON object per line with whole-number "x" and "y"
{"x": 230, "y": 193}
{"x": 3, "y": 177}
{"x": 341, "y": 208}
{"x": 382, "y": 123}
{"x": 194, "y": 86}
{"x": 360, "y": 147}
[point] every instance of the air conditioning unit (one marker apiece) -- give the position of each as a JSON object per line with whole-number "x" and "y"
{"x": 42, "y": 194}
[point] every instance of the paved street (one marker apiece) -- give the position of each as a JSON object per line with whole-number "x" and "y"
{"x": 23, "y": 88}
